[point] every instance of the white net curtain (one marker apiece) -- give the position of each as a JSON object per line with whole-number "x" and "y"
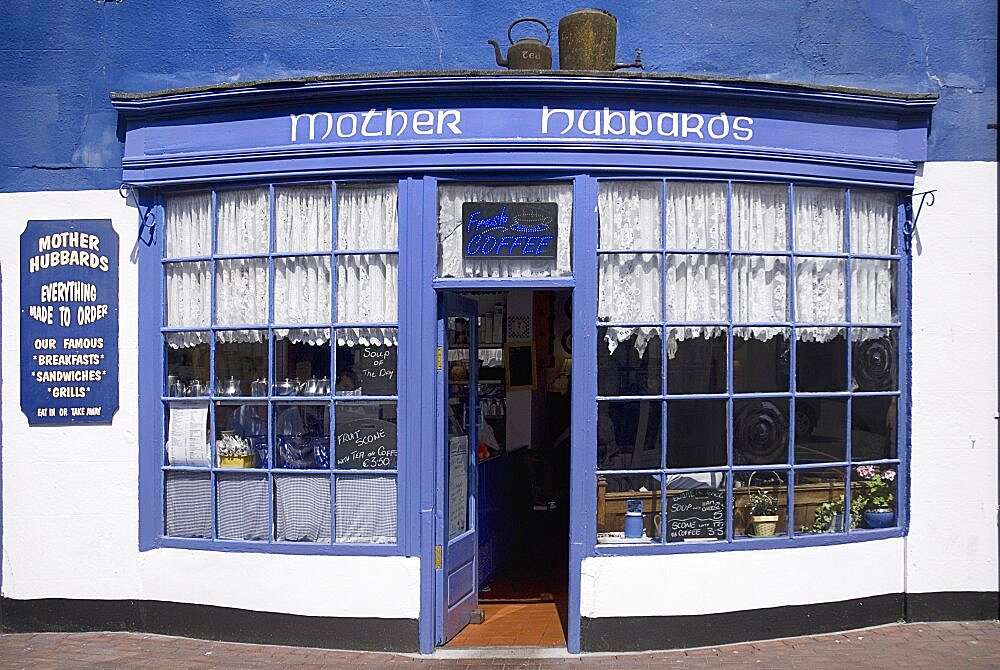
{"x": 696, "y": 283}
{"x": 367, "y": 284}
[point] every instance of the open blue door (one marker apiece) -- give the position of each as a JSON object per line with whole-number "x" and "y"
{"x": 456, "y": 541}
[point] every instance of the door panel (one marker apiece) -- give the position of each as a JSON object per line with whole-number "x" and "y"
{"x": 458, "y": 590}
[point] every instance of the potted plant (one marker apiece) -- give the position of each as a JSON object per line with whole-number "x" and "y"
{"x": 876, "y": 495}
{"x": 763, "y": 513}
{"x": 234, "y": 451}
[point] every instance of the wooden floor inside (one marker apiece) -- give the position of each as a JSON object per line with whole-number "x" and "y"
{"x": 514, "y": 625}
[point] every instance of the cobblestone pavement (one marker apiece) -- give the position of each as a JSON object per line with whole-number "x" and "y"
{"x": 914, "y": 646}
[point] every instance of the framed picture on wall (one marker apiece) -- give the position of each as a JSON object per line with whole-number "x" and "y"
{"x": 520, "y": 368}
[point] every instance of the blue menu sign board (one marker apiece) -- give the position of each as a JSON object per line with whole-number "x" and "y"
{"x": 69, "y": 322}
{"x": 509, "y": 230}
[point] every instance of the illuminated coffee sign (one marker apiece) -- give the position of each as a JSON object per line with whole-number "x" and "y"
{"x": 509, "y": 230}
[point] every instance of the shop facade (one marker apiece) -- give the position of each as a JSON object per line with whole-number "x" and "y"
{"x": 716, "y": 312}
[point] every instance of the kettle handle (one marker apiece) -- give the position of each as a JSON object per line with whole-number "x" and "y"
{"x": 548, "y": 33}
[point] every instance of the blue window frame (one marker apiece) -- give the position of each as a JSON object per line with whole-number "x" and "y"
{"x": 279, "y": 371}
{"x": 750, "y": 341}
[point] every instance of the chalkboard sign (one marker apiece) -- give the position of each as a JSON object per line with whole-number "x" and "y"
{"x": 509, "y": 229}
{"x": 520, "y": 359}
{"x": 696, "y": 514}
{"x": 375, "y": 369}
{"x": 69, "y": 322}
{"x": 366, "y": 444}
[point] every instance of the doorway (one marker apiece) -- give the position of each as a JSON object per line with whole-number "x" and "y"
{"x": 519, "y": 478}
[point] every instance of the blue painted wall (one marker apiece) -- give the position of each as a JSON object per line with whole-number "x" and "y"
{"x": 60, "y": 58}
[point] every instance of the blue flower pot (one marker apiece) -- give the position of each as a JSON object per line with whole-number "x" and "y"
{"x": 880, "y": 518}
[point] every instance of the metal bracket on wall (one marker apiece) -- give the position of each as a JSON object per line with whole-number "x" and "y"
{"x": 910, "y": 224}
{"x": 147, "y": 219}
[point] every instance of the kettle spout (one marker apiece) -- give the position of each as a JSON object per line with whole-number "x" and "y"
{"x": 637, "y": 64}
{"x": 496, "y": 47}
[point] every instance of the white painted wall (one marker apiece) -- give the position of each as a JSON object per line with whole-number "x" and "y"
{"x": 952, "y": 544}
{"x": 70, "y": 494}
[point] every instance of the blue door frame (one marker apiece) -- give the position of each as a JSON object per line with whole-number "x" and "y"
{"x": 424, "y": 301}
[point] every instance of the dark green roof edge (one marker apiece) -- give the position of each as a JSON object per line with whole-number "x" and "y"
{"x": 583, "y": 75}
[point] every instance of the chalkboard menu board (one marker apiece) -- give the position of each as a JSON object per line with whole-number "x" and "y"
{"x": 509, "y": 229}
{"x": 375, "y": 368}
{"x": 520, "y": 366}
{"x": 696, "y": 514}
{"x": 366, "y": 444}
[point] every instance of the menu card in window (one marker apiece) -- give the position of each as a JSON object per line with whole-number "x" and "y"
{"x": 186, "y": 443}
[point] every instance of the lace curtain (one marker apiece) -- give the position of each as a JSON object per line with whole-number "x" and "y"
{"x": 367, "y": 285}
{"x": 450, "y": 200}
{"x": 696, "y": 283}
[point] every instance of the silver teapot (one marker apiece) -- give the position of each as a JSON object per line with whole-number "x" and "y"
{"x": 195, "y": 388}
{"x": 229, "y": 387}
{"x": 258, "y": 387}
{"x": 286, "y": 387}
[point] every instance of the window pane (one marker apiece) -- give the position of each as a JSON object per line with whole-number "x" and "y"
{"x": 452, "y": 248}
{"x": 302, "y": 508}
{"x": 820, "y": 430}
{"x": 242, "y": 506}
{"x": 188, "y": 298}
{"x": 302, "y": 218}
{"x": 760, "y": 289}
{"x": 188, "y": 363}
{"x": 188, "y": 504}
{"x": 760, "y": 365}
{"x": 302, "y": 289}
{"x": 302, "y": 436}
{"x": 760, "y": 431}
{"x": 696, "y": 288}
{"x": 873, "y": 291}
{"x": 628, "y": 435}
{"x": 368, "y": 369}
{"x": 629, "y": 215}
{"x": 819, "y": 219}
{"x": 241, "y": 435}
{"x": 698, "y": 365}
{"x": 875, "y": 360}
{"x": 760, "y": 503}
{"x": 696, "y": 215}
{"x": 241, "y": 292}
{"x": 696, "y": 507}
{"x": 873, "y": 222}
{"x": 367, "y": 287}
{"x": 302, "y": 362}
{"x": 873, "y": 427}
{"x": 760, "y": 217}
{"x": 819, "y": 291}
{"x": 819, "y": 501}
{"x": 629, "y": 287}
{"x": 617, "y": 495}
{"x": 366, "y": 435}
{"x": 243, "y": 221}
{"x": 187, "y": 434}
{"x": 696, "y": 433}
{"x": 367, "y": 217}
{"x": 239, "y": 364}
{"x": 628, "y": 361}
{"x": 188, "y": 225}
{"x": 366, "y": 509}
{"x": 821, "y": 362}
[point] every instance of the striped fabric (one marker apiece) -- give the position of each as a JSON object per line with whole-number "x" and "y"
{"x": 242, "y": 507}
{"x": 366, "y": 509}
{"x": 188, "y": 504}
{"x": 302, "y": 513}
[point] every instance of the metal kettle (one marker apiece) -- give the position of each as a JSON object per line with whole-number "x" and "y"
{"x": 527, "y": 53}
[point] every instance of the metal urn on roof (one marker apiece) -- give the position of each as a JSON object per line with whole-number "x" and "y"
{"x": 587, "y": 41}
{"x": 527, "y": 53}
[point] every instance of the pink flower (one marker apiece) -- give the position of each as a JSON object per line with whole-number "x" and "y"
{"x": 866, "y": 471}
{"x": 889, "y": 475}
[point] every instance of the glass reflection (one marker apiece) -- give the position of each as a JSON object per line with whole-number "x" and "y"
{"x": 873, "y": 427}
{"x": 634, "y": 365}
{"x": 821, "y": 365}
{"x": 628, "y": 435}
{"x": 761, "y": 366}
{"x": 698, "y": 365}
{"x": 696, "y": 433}
{"x": 820, "y": 430}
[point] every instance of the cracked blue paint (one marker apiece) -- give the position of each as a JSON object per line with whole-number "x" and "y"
{"x": 60, "y": 59}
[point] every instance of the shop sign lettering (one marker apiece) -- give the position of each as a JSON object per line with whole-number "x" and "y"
{"x": 509, "y": 230}
{"x": 366, "y": 444}
{"x": 69, "y": 322}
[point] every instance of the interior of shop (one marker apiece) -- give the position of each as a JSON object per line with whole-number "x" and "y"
{"x": 524, "y": 369}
